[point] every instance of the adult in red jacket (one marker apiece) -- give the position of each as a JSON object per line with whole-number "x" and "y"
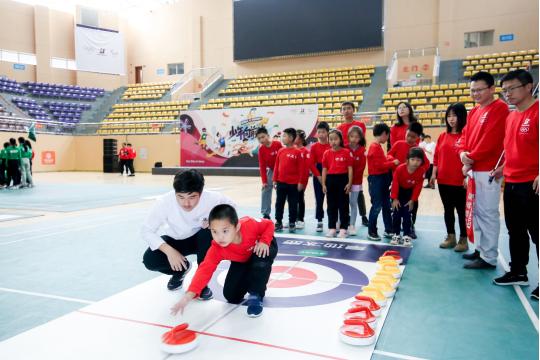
{"x": 480, "y": 147}
{"x": 447, "y": 173}
{"x": 123, "y": 157}
{"x": 521, "y": 175}
{"x": 132, "y": 154}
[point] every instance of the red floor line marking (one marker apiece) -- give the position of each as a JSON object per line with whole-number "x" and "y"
{"x": 214, "y": 335}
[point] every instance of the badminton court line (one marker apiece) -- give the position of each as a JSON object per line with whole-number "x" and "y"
{"x": 520, "y": 294}
{"x": 251, "y": 342}
{"x": 48, "y": 296}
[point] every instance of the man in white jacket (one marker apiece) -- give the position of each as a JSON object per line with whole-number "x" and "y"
{"x": 185, "y": 211}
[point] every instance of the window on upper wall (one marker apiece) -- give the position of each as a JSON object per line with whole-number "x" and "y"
{"x": 479, "y": 38}
{"x": 17, "y": 57}
{"x": 175, "y": 69}
{"x": 61, "y": 63}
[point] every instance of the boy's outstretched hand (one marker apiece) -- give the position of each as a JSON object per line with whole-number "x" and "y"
{"x": 261, "y": 250}
{"x": 395, "y": 204}
{"x": 181, "y": 305}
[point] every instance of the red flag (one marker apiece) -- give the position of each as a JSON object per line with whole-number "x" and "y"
{"x": 469, "y": 208}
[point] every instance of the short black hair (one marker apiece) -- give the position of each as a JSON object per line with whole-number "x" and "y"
{"x": 416, "y": 153}
{"x": 427, "y": 136}
{"x": 21, "y": 140}
{"x": 339, "y": 134}
{"x": 223, "y": 212}
{"x": 351, "y": 104}
{"x": 291, "y": 132}
{"x": 523, "y": 76}
{"x": 416, "y": 128}
{"x": 261, "y": 130}
{"x": 12, "y": 141}
{"x": 485, "y": 77}
{"x": 28, "y": 143}
{"x": 412, "y": 118}
{"x": 128, "y": 144}
{"x": 6, "y": 144}
{"x": 380, "y": 128}
{"x": 323, "y": 125}
{"x": 461, "y": 113}
{"x": 188, "y": 181}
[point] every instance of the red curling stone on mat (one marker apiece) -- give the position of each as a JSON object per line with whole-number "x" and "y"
{"x": 395, "y": 254}
{"x": 361, "y": 313}
{"x": 179, "y": 340}
{"x": 357, "y": 332}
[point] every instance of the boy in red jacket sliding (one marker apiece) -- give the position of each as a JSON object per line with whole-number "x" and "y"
{"x": 250, "y": 246}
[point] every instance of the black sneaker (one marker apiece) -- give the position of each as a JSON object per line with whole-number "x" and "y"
{"x": 365, "y": 221}
{"x": 478, "y": 264}
{"x": 534, "y": 294}
{"x": 176, "y": 281}
{"x": 206, "y": 294}
{"x": 319, "y": 226}
{"x": 292, "y": 228}
{"x": 374, "y": 237}
{"x": 512, "y": 279}
{"x": 265, "y": 216}
{"x": 413, "y": 233}
{"x": 278, "y": 227}
{"x": 475, "y": 255}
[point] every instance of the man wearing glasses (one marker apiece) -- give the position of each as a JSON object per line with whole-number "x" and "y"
{"x": 480, "y": 147}
{"x": 520, "y": 171}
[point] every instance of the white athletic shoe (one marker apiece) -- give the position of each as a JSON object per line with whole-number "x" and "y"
{"x": 407, "y": 241}
{"x": 331, "y": 233}
{"x": 396, "y": 239}
{"x": 342, "y": 234}
{"x": 352, "y": 230}
{"x": 300, "y": 224}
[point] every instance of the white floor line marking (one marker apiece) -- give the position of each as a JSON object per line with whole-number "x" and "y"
{"x": 519, "y": 291}
{"x": 128, "y": 218}
{"x": 397, "y": 356}
{"x": 48, "y": 296}
{"x": 63, "y": 225}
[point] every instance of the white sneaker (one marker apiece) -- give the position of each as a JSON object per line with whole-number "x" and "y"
{"x": 300, "y": 224}
{"x": 407, "y": 241}
{"x": 396, "y": 239}
{"x": 342, "y": 234}
{"x": 352, "y": 230}
{"x": 331, "y": 233}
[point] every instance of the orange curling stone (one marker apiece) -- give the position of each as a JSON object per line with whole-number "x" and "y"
{"x": 179, "y": 340}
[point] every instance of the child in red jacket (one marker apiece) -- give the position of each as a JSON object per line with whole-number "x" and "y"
{"x": 268, "y": 150}
{"x": 289, "y": 179}
{"x": 357, "y": 146}
{"x": 406, "y": 186}
{"x": 250, "y": 246}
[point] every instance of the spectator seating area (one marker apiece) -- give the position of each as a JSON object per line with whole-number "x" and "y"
{"x": 146, "y": 113}
{"x": 356, "y": 76}
{"x": 31, "y": 107}
{"x": 500, "y": 63}
{"x": 66, "y": 112}
{"x": 429, "y": 97}
{"x": 64, "y": 91}
{"x": 11, "y": 86}
{"x": 149, "y": 91}
{"x": 329, "y": 101}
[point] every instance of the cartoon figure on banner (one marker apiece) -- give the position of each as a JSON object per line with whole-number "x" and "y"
{"x": 221, "y": 140}
{"x": 202, "y": 139}
{"x": 242, "y": 148}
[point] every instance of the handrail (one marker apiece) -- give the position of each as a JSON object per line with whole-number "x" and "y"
{"x": 189, "y": 76}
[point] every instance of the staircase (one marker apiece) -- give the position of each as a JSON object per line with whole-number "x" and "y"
{"x": 212, "y": 94}
{"x": 5, "y": 101}
{"x": 373, "y": 93}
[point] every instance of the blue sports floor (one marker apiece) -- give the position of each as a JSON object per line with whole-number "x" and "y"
{"x": 76, "y": 240}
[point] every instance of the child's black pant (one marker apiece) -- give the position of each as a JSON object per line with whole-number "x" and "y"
{"x": 13, "y": 172}
{"x": 288, "y": 192}
{"x": 338, "y": 200}
{"x": 403, "y": 214}
{"x": 319, "y": 196}
{"x": 301, "y": 205}
{"x": 249, "y": 277}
